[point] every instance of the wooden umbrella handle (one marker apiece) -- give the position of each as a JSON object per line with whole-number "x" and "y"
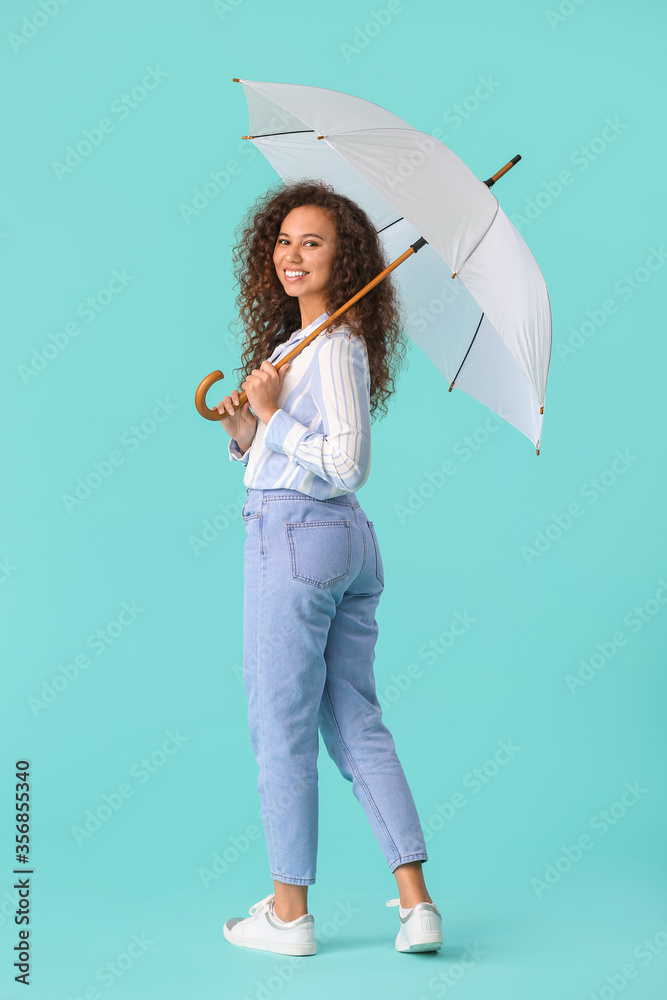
{"x": 200, "y": 397}
{"x": 205, "y": 385}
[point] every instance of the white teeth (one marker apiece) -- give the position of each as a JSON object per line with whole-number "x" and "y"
{"x": 293, "y": 274}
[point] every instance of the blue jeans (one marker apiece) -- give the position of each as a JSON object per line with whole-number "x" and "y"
{"x": 313, "y": 579}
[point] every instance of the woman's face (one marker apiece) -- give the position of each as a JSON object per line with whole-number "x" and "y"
{"x": 304, "y": 254}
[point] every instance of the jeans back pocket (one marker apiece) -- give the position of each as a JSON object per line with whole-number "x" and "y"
{"x": 320, "y": 551}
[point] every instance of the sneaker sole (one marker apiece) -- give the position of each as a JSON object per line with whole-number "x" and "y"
{"x": 421, "y": 942}
{"x": 293, "y": 948}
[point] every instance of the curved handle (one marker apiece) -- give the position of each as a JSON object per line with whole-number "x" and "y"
{"x": 200, "y": 397}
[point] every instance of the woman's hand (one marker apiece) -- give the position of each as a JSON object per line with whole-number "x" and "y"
{"x": 240, "y": 424}
{"x": 262, "y": 387}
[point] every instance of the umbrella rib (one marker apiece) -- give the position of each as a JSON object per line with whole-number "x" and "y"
{"x": 390, "y": 224}
{"x": 352, "y": 131}
{"x": 381, "y": 128}
{"x": 480, "y": 239}
{"x": 269, "y": 135}
{"x": 467, "y": 352}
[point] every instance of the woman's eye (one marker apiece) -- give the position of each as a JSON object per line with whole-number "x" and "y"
{"x": 307, "y": 243}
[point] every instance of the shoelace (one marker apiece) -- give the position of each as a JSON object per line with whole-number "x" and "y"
{"x": 263, "y": 904}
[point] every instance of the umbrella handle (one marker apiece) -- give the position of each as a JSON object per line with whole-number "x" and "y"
{"x": 200, "y": 397}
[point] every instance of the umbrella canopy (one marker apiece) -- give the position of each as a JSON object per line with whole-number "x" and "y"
{"x": 489, "y": 329}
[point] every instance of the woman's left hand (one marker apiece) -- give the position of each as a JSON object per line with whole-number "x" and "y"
{"x": 262, "y": 387}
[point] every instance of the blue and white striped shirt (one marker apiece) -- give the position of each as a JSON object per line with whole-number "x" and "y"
{"x": 319, "y": 440}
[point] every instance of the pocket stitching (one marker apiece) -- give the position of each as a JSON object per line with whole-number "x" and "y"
{"x": 291, "y": 527}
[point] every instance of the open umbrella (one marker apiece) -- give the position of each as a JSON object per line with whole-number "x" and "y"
{"x": 489, "y": 332}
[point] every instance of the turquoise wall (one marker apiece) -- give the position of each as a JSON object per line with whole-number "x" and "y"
{"x": 533, "y": 734}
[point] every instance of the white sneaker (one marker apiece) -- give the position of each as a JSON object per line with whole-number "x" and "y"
{"x": 421, "y": 928}
{"x": 262, "y": 930}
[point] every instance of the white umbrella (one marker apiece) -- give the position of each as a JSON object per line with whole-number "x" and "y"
{"x": 488, "y": 330}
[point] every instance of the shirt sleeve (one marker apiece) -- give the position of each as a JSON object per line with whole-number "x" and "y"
{"x": 236, "y": 453}
{"x": 340, "y": 455}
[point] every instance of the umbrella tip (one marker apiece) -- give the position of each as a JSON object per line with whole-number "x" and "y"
{"x": 235, "y": 79}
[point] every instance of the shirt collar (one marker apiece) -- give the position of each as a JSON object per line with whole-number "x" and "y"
{"x": 296, "y": 338}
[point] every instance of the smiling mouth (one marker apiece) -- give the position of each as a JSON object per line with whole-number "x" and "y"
{"x": 294, "y": 274}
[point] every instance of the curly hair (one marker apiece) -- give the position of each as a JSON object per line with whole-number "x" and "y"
{"x": 269, "y": 315}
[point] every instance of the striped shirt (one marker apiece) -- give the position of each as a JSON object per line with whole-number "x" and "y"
{"x": 319, "y": 440}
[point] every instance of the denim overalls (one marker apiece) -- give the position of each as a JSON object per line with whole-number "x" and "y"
{"x": 313, "y": 579}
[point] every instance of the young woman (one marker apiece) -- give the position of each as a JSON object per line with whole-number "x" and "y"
{"x": 313, "y": 569}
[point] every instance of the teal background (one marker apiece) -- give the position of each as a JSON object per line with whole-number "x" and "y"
{"x": 175, "y": 667}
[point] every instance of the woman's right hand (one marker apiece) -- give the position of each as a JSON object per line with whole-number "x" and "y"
{"x": 239, "y": 423}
